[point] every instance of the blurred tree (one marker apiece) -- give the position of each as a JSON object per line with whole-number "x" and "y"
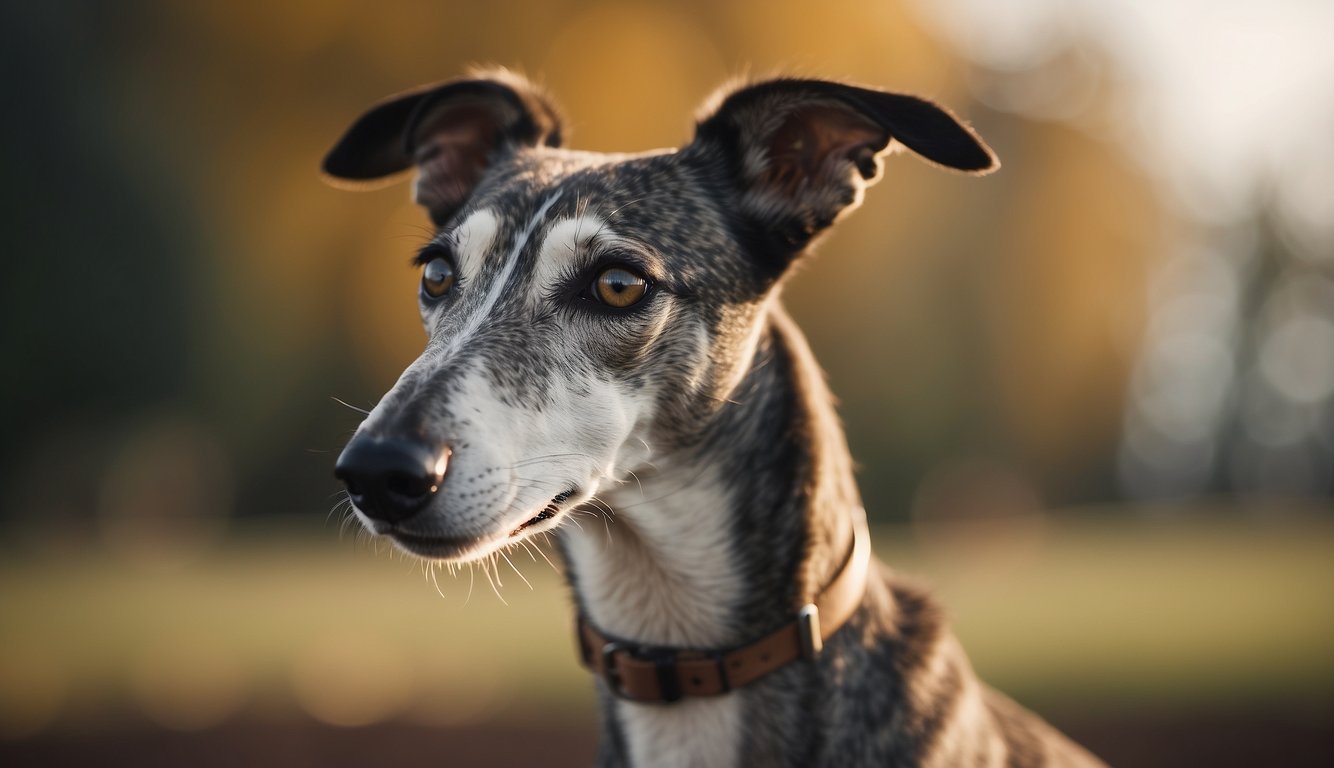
{"x": 97, "y": 297}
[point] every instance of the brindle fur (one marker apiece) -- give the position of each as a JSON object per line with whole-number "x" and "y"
{"x": 730, "y": 398}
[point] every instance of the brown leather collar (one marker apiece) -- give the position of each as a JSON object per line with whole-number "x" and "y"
{"x": 663, "y": 674}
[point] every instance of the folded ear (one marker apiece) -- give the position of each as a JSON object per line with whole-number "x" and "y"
{"x": 450, "y": 132}
{"x": 801, "y": 152}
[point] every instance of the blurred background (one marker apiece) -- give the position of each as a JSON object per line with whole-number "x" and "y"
{"x": 1092, "y": 394}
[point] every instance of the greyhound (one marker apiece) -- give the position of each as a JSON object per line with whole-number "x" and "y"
{"x": 605, "y": 330}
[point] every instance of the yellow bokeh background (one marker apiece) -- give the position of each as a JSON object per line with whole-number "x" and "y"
{"x": 184, "y": 299}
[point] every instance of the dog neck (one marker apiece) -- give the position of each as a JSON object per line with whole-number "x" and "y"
{"x": 717, "y": 545}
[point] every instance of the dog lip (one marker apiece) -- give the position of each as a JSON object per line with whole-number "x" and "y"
{"x": 550, "y": 511}
{"x": 462, "y": 547}
{"x": 436, "y": 546}
{"x": 545, "y": 514}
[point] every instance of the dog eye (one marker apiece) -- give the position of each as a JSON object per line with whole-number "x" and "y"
{"x": 438, "y": 277}
{"x": 619, "y": 287}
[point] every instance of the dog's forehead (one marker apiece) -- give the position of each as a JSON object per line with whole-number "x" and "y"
{"x": 653, "y": 198}
{"x": 587, "y": 183}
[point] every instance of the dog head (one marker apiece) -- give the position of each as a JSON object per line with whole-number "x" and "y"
{"x": 587, "y": 313}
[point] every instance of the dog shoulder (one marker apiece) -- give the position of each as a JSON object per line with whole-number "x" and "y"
{"x": 938, "y": 683}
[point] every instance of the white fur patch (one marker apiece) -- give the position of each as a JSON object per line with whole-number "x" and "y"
{"x": 473, "y": 240}
{"x": 662, "y": 573}
{"x": 499, "y": 283}
{"x": 561, "y": 248}
{"x": 692, "y": 733}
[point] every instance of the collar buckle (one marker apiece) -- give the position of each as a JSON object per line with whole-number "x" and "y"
{"x": 610, "y": 672}
{"x": 808, "y": 631}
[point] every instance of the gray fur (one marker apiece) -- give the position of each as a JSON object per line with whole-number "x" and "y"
{"x": 729, "y": 404}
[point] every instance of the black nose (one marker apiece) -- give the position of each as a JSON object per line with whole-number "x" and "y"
{"x": 390, "y": 479}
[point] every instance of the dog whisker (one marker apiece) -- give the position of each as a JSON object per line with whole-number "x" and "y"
{"x": 337, "y": 508}
{"x": 349, "y": 518}
{"x": 516, "y": 570}
{"x": 549, "y": 457}
{"x": 606, "y": 513}
{"x": 638, "y": 482}
{"x": 486, "y": 571}
{"x": 346, "y": 404}
{"x": 690, "y": 482}
{"x": 541, "y": 551}
{"x": 435, "y": 581}
{"x": 616, "y": 212}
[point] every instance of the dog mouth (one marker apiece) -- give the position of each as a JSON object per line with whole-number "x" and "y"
{"x": 547, "y": 513}
{"x": 473, "y": 547}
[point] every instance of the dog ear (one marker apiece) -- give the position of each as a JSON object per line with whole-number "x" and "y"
{"x": 450, "y": 131}
{"x": 801, "y": 152}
